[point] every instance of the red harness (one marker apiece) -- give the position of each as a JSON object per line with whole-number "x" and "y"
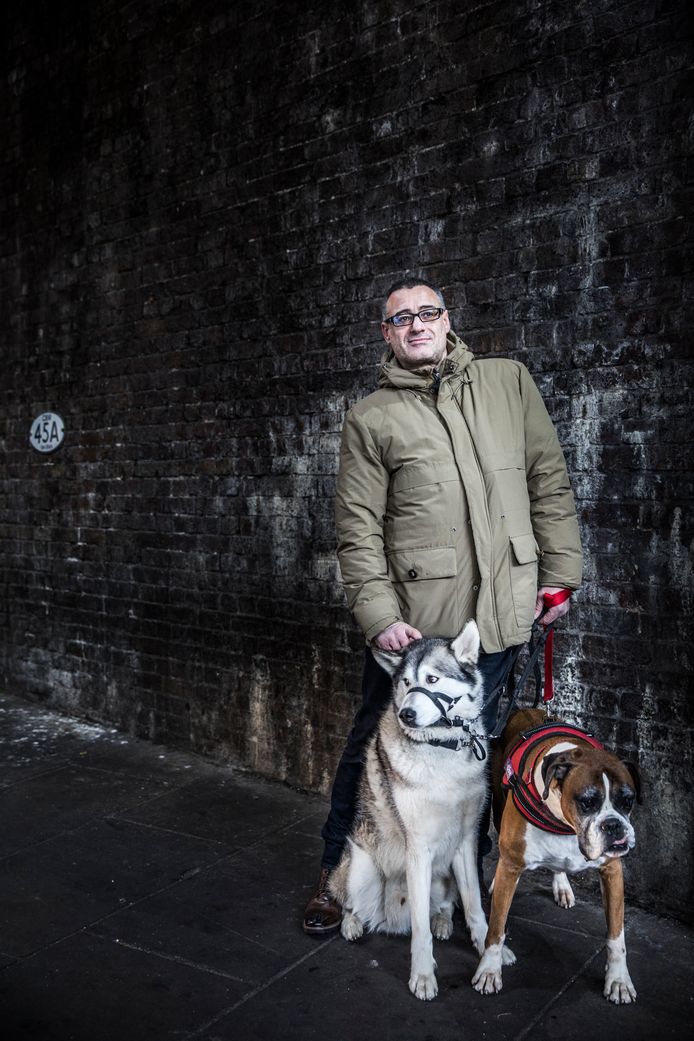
{"x": 519, "y": 773}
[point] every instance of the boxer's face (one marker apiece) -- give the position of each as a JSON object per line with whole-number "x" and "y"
{"x": 597, "y": 796}
{"x": 602, "y": 809}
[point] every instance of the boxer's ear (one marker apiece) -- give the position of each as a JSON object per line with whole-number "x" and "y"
{"x": 555, "y": 768}
{"x": 635, "y": 777}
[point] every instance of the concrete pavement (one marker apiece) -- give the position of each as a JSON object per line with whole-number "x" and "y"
{"x": 149, "y": 895}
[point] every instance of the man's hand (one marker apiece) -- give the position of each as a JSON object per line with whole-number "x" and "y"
{"x": 554, "y": 612}
{"x": 397, "y": 636}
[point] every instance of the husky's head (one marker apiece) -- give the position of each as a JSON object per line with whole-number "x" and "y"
{"x": 435, "y": 680}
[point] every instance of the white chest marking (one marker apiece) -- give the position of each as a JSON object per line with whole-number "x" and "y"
{"x": 556, "y": 852}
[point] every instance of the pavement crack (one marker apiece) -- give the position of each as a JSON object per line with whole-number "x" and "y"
{"x": 553, "y": 1000}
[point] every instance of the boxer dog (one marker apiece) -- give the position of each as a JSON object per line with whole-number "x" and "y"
{"x": 561, "y": 801}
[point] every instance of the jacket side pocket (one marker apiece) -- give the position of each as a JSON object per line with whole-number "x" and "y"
{"x": 425, "y": 583}
{"x": 522, "y": 563}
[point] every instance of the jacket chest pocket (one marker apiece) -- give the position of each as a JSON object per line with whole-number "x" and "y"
{"x": 425, "y": 502}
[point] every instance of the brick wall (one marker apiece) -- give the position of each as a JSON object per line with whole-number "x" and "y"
{"x": 202, "y": 204}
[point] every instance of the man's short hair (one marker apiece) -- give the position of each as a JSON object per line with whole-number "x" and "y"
{"x": 411, "y": 283}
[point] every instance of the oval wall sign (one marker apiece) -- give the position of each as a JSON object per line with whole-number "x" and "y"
{"x": 47, "y": 432}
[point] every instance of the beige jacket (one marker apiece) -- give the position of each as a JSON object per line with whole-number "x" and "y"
{"x": 454, "y": 505}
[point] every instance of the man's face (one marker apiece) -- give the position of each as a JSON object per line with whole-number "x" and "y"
{"x": 422, "y": 343}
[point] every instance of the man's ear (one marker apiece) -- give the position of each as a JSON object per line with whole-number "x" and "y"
{"x": 466, "y": 645}
{"x": 555, "y": 768}
{"x": 388, "y": 660}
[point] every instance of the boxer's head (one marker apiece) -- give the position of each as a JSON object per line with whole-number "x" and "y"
{"x": 597, "y": 792}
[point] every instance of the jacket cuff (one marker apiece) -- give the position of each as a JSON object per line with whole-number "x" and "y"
{"x": 561, "y": 577}
{"x": 375, "y": 615}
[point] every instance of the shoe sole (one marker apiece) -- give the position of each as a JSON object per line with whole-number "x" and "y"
{"x": 320, "y": 930}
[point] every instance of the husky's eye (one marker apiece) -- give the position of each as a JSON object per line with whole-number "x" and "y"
{"x": 432, "y": 679}
{"x": 406, "y": 681}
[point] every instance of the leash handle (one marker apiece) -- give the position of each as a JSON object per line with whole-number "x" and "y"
{"x": 551, "y": 600}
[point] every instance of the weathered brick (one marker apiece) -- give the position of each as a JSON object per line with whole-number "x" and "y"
{"x": 197, "y": 238}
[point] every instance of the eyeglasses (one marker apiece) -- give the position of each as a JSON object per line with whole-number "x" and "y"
{"x": 427, "y": 314}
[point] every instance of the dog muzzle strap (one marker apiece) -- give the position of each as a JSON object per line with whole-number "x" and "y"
{"x": 444, "y": 702}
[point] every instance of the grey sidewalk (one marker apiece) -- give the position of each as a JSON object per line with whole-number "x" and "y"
{"x": 147, "y": 894}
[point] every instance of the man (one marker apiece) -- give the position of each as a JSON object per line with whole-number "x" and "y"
{"x": 453, "y": 502}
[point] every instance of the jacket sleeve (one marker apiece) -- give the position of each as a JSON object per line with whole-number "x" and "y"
{"x": 360, "y": 505}
{"x": 552, "y": 506}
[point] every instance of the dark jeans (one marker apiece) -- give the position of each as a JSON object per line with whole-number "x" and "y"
{"x": 376, "y": 690}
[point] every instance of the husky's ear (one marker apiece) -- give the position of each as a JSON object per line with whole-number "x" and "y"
{"x": 466, "y": 645}
{"x": 555, "y": 768}
{"x": 388, "y": 660}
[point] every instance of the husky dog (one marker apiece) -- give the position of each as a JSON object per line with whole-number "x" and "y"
{"x": 421, "y": 796}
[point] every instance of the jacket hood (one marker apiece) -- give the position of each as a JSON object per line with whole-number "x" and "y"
{"x": 392, "y": 374}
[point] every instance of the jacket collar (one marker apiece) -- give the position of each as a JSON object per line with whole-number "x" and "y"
{"x": 392, "y": 374}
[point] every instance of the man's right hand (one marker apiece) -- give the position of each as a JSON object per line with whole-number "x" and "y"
{"x": 397, "y": 636}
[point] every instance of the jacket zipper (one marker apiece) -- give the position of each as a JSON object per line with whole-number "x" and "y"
{"x": 459, "y": 402}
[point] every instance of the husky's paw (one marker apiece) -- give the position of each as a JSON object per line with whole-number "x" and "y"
{"x": 507, "y": 956}
{"x": 351, "y": 927}
{"x": 441, "y": 926}
{"x": 562, "y": 891}
{"x": 619, "y": 989}
{"x": 424, "y": 986}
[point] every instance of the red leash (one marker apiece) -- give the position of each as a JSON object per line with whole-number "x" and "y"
{"x": 551, "y": 600}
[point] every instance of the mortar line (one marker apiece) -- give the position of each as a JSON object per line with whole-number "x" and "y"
{"x": 10, "y": 785}
{"x": 166, "y": 957}
{"x": 257, "y": 990}
{"x": 184, "y": 877}
{"x": 553, "y": 925}
{"x": 96, "y": 818}
{"x": 88, "y": 926}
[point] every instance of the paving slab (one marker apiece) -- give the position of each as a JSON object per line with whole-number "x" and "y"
{"x": 242, "y": 913}
{"x": 226, "y": 807}
{"x": 68, "y": 882}
{"x": 88, "y": 988}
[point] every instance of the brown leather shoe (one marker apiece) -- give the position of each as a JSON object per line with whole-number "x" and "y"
{"x": 323, "y": 913}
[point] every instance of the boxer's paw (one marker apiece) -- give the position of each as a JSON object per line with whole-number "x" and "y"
{"x": 562, "y": 891}
{"x": 487, "y": 979}
{"x": 507, "y": 956}
{"x": 619, "y": 989}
